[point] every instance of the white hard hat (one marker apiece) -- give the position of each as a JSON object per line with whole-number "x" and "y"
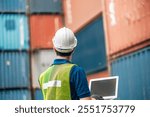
{"x": 64, "y": 40}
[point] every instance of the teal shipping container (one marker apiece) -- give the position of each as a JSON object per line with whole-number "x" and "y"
{"x": 13, "y": 6}
{"x": 45, "y": 6}
{"x": 16, "y": 94}
{"x": 14, "y": 32}
{"x": 38, "y": 94}
{"x": 134, "y": 75}
{"x": 14, "y": 70}
{"x": 90, "y": 52}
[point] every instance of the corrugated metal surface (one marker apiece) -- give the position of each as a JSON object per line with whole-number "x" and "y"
{"x": 43, "y": 28}
{"x": 14, "y": 32}
{"x": 20, "y": 94}
{"x": 12, "y": 5}
{"x": 130, "y": 50}
{"x": 127, "y": 23}
{"x": 134, "y": 75}
{"x": 38, "y": 94}
{"x": 98, "y": 75}
{"x": 79, "y": 12}
{"x": 45, "y": 6}
{"x": 14, "y": 69}
{"x": 90, "y": 52}
{"x": 41, "y": 60}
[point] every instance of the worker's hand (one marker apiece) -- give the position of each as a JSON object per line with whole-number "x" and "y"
{"x": 97, "y": 97}
{"x": 93, "y": 98}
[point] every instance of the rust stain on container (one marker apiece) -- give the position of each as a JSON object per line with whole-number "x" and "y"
{"x": 98, "y": 75}
{"x": 126, "y": 23}
{"x": 78, "y": 12}
{"x": 42, "y": 30}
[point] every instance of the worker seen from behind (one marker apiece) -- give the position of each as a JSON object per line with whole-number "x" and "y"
{"x": 64, "y": 80}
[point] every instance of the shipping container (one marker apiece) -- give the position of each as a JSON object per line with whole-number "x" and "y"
{"x": 13, "y": 6}
{"x": 14, "y": 69}
{"x": 77, "y": 13}
{"x": 134, "y": 75}
{"x": 126, "y": 24}
{"x": 45, "y": 6}
{"x": 38, "y": 94}
{"x": 41, "y": 60}
{"x": 15, "y": 94}
{"x": 42, "y": 30}
{"x": 14, "y": 32}
{"x": 101, "y": 74}
{"x": 90, "y": 52}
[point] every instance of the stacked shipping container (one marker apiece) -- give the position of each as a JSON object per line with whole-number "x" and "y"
{"x": 14, "y": 32}
{"x": 134, "y": 72}
{"x": 46, "y": 6}
{"x": 13, "y": 6}
{"x": 126, "y": 25}
{"x": 17, "y": 94}
{"x": 45, "y": 18}
{"x": 78, "y": 13}
{"x": 14, "y": 57}
{"x": 41, "y": 60}
{"x": 128, "y": 39}
{"x": 42, "y": 29}
{"x": 14, "y": 69}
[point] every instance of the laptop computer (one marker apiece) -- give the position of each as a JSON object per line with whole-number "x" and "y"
{"x": 106, "y": 87}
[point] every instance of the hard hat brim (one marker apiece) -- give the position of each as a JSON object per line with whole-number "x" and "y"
{"x": 71, "y": 47}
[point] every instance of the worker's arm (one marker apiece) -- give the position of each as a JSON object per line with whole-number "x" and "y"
{"x": 79, "y": 81}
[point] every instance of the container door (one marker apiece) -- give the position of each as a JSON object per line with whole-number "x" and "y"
{"x": 90, "y": 52}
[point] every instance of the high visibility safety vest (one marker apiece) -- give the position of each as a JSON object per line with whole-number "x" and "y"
{"x": 55, "y": 82}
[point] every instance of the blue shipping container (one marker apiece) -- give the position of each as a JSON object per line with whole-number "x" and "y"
{"x": 38, "y": 94}
{"x": 14, "y": 32}
{"x": 13, "y": 6}
{"x": 20, "y": 94}
{"x": 14, "y": 69}
{"x": 90, "y": 52}
{"x": 134, "y": 75}
{"x": 45, "y": 6}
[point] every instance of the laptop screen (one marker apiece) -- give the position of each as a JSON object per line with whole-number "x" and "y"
{"x": 105, "y": 87}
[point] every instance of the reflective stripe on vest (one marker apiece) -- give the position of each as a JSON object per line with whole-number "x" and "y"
{"x": 55, "y": 82}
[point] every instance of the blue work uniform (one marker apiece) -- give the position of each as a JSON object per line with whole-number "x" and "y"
{"x": 78, "y": 82}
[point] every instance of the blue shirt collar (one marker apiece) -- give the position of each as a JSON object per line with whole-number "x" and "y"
{"x": 61, "y": 61}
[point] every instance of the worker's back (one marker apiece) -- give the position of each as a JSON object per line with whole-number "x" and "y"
{"x": 55, "y": 82}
